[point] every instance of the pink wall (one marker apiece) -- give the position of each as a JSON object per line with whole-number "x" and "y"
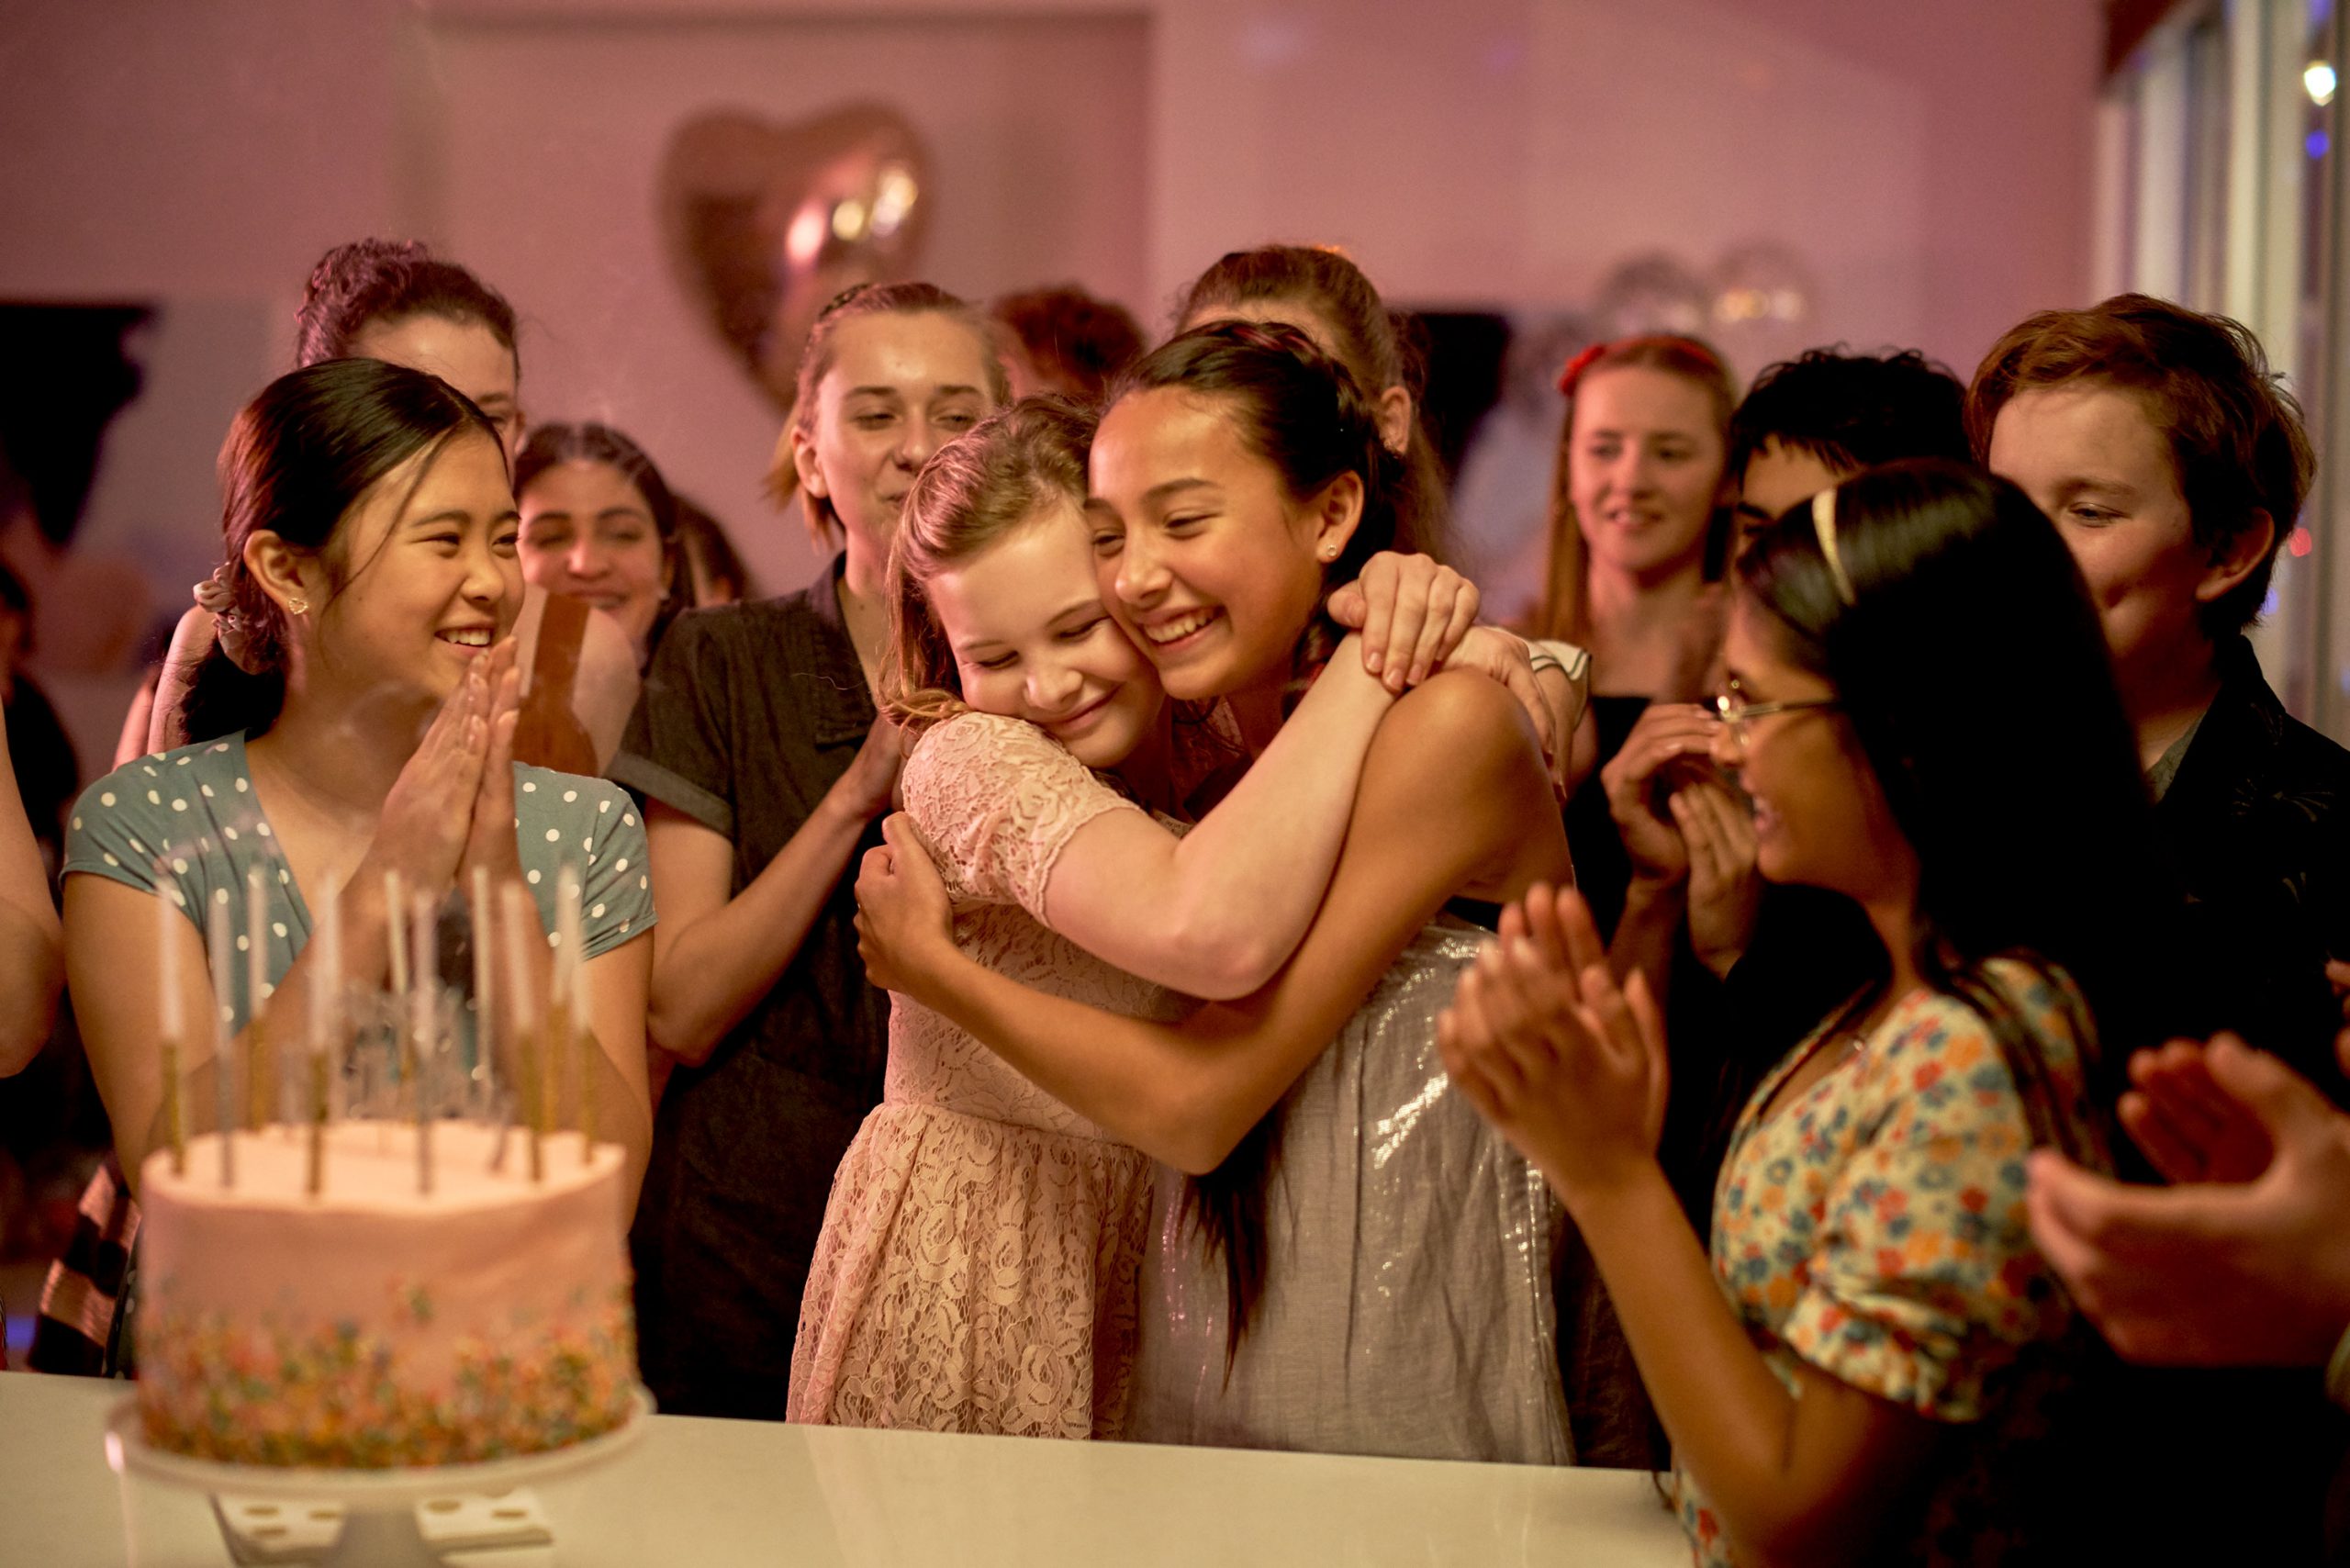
{"x": 1933, "y": 160}
{"x": 1929, "y": 162}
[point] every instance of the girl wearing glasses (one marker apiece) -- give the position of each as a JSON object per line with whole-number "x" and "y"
{"x": 1866, "y": 1364}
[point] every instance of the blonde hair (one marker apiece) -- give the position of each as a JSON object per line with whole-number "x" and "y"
{"x": 981, "y": 488}
{"x": 816, "y": 361}
{"x": 1566, "y": 587}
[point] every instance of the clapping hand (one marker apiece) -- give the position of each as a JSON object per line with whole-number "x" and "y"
{"x": 1569, "y": 1066}
{"x": 1725, "y": 889}
{"x": 2214, "y": 1273}
{"x": 1670, "y": 744}
{"x": 492, "y": 843}
{"x": 2189, "y": 1128}
{"x": 427, "y": 819}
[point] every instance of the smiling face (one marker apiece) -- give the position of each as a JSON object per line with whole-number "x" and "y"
{"x": 1032, "y": 640}
{"x": 465, "y": 354}
{"x": 431, "y": 578}
{"x": 587, "y": 532}
{"x": 2092, "y": 457}
{"x": 1644, "y": 469}
{"x": 900, "y": 386}
{"x": 1205, "y": 557}
{"x": 1820, "y": 816}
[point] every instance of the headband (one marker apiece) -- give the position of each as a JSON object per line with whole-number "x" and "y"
{"x": 1582, "y": 362}
{"x": 1823, "y": 522}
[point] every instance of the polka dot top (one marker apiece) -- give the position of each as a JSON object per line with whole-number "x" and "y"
{"x": 187, "y": 823}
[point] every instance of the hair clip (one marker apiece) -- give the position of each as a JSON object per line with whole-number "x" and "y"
{"x": 843, "y": 297}
{"x": 1577, "y": 365}
{"x": 1823, "y": 522}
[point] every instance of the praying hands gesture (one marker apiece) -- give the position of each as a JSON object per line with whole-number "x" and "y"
{"x": 1567, "y": 1064}
{"x": 453, "y": 805}
{"x": 1691, "y": 839}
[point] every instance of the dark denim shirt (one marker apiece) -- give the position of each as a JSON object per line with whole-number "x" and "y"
{"x": 750, "y": 714}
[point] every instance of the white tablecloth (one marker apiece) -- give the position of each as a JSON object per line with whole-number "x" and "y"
{"x": 720, "y": 1493}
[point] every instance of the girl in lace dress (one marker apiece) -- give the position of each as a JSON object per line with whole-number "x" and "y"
{"x": 978, "y": 1266}
{"x": 1373, "y": 1272}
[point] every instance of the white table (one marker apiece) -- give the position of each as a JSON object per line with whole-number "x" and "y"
{"x": 720, "y": 1493}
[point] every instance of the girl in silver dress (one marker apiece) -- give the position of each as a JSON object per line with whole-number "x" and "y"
{"x": 1357, "y": 1264}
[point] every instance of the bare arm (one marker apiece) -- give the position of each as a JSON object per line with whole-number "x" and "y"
{"x": 604, "y": 693}
{"x": 1572, "y": 1071}
{"x": 1216, "y": 911}
{"x": 1186, "y": 1093}
{"x": 32, "y": 955}
{"x": 192, "y": 639}
{"x": 1795, "y": 1480}
{"x": 714, "y": 955}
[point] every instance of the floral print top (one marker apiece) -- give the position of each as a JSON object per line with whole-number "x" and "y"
{"x": 1873, "y": 1227}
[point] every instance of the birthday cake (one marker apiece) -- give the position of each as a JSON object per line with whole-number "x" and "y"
{"x": 373, "y": 1324}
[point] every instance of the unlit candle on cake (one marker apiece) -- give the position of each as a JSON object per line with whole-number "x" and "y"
{"x": 584, "y": 1039}
{"x": 224, "y": 1078}
{"x": 392, "y": 907}
{"x": 521, "y": 931}
{"x": 260, "y": 1071}
{"x": 420, "y": 1039}
{"x": 485, "y": 1008}
{"x": 562, "y": 1019}
{"x": 325, "y": 1011}
{"x": 172, "y": 1021}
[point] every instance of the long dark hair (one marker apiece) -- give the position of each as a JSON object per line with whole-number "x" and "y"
{"x": 592, "y": 442}
{"x": 1963, "y": 645}
{"x": 298, "y": 459}
{"x": 1303, "y": 411}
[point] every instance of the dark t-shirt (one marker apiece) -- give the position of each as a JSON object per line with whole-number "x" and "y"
{"x": 750, "y": 714}
{"x": 1603, "y": 871}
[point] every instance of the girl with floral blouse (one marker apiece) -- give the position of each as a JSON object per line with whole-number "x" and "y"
{"x": 1869, "y": 1361}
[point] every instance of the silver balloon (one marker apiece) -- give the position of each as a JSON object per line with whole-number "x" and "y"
{"x": 1763, "y": 303}
{"x": 1655, "y": 293}
{"x": 766, "y": 223}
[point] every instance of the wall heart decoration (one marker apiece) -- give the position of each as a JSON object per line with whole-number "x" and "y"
{"x": 766, "y": 223}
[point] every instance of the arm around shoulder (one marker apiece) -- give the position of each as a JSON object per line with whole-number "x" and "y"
{"x": 1453, "y": 798}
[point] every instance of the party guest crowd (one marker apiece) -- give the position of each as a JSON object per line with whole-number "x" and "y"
{"x": 1846, "y": 1015}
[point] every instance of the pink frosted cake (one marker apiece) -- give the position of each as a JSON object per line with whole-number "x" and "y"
{"x": 371, "y": 1326}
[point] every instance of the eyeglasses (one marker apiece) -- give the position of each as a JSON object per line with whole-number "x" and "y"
{"x": 1736, "y": 713}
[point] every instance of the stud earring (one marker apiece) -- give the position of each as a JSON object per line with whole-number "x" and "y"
{"x": 297, "y": 604}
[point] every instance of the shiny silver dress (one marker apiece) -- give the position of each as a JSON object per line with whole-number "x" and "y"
{"x": 1407, "y": 1308}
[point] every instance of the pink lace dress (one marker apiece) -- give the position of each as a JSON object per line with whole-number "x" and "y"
{"x": 979, "y": 1265}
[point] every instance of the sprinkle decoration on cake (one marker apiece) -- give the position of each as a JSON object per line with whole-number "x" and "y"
{"x": 372, "y": 1326}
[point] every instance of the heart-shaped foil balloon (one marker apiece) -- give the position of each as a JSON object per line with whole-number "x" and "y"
{"x": 766, "y": 223}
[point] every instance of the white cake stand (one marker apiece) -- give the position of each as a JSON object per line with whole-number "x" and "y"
{"x": 379, "y": 1505}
